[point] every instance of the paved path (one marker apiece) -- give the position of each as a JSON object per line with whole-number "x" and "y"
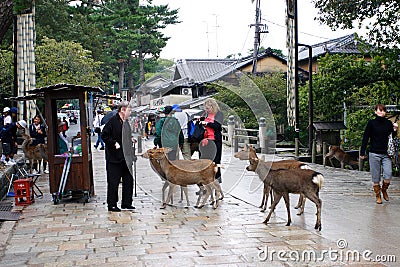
{"x": 74, "y": 234}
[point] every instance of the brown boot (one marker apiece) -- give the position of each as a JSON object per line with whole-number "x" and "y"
{"x": 384, "y": 192}
{"x": 377, "y": 189}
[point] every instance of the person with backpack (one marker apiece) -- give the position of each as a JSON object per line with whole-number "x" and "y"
{"x": 169, "y": 133}
{"x": 183, "y": 118}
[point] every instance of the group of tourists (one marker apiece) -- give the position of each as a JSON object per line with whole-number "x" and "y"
{"x": 172, "y": 130}
{"x": 8, "y": 134}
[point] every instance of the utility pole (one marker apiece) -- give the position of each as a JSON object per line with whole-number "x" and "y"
{"x": 258, "y": 29}
{"x": 216, "y": 30}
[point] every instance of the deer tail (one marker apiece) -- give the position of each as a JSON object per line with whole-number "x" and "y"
{"x": 318, "y": 179}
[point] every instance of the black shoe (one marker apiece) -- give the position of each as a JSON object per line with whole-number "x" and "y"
{"x": 114, "y": 209}
{"x": 130, "y": 207}
{"x": 95, "y": 147}
{"x": 102, "y": 148}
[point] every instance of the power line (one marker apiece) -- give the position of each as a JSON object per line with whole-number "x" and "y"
{"x": 309, "y": 34}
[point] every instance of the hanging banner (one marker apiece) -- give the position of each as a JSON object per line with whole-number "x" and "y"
{"x": 26, "y": 72}
{"x": 291, "y": 70}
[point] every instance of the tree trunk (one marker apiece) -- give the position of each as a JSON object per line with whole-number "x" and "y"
{"x": 6, "y": 17}
{"x": 121, "y": 75}
{"x": 141, "y": 67}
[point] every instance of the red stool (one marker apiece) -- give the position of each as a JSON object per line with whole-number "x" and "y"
{"x": 23, "y": 192}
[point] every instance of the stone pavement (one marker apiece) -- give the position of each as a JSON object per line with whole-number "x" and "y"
{"x": 76, "y": 234}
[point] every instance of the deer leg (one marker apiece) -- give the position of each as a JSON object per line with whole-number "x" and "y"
{"x": 318, "y": 203}
{"x": 209, "y": 190}
{"x": 218, "y": 186}
{"x": 170, "y": 192}
{"x": 185, "y": 190}
{"x": 200, "y": 194}
{"x": 287, "y": 203}
{"x": 300, "y": 204}
{"x": 267, "y": 191}
{"x": 163, "y": 191}
{"x": 330, "y": 160}
{"x": 277, "y": 198}
{"x": 271, "y": 194}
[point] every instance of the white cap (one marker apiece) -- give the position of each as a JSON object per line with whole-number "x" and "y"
{"x": 6, "y": 109}
{"x": 22, "y": 123}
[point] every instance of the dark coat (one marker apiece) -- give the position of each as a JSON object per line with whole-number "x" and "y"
{"x": 111, "y": 134}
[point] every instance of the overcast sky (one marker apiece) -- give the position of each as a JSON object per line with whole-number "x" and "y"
{"x": 218, "y": 28}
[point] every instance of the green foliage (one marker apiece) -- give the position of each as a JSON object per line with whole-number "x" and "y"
{"x": 380, "y": 17}
{"x": 272, "y": 86}
{"x": 6, "y": 74}
{"x": 351, "y": 82}
{"x": 20, "y": 6}
{"x": 65, "y": 62}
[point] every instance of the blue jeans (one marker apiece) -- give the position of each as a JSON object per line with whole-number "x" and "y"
{"x": 375, "y": 163}
{"x": 99, "y": 140}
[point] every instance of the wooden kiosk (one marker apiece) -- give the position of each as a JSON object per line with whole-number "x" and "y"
{"x": 79, "y": 179}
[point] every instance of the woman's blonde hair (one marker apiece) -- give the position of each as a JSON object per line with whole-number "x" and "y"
{"x": 210, "y": 102}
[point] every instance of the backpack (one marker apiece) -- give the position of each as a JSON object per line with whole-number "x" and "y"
{"x": 196, "y": 133}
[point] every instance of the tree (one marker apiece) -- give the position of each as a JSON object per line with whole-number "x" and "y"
{"x": 6, "y": 73}
{"x": 353, "y": 85}
{"x": 380, "y": 17}
{"x": 6, "y": 17}
{"x": 272, "y": 86}
{"x": 65, "y": 62}
{"x": 132, "y": 32}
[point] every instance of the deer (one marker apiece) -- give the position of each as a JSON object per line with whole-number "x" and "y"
{"x": 34, "y": 153}
{"x": 248, "y": 152}
{"x": 340, "y": 155}
{"x": 187, "y": 172}
{"x": 285, "y": 181}
{"x": 155, "y": 165}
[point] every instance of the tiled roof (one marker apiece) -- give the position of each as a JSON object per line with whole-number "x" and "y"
{"x": 343, "y": 45}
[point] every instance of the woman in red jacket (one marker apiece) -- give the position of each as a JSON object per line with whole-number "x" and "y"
{"x": 211, "y": 145}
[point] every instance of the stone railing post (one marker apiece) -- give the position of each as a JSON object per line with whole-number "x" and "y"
{"x": 231, "y": 129}
{"x": 262, "y": 133}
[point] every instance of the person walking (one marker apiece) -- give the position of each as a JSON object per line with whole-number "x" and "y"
{"x": 37, "y": 131}
{"x": 377, "y": 134}
{"x": 97, "y": 129}
{"x": 183, "y": 118}
{"x": 116, "y": 164}
{"x": 9, "y": 140}
{"x": 168, "y": 133}
{"x": 211, "y": 146}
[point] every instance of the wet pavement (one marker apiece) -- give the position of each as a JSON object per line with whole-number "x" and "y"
{"x": 76, "y": 234}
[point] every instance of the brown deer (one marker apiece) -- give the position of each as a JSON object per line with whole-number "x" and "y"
{"x": 248, "y": 152}
{"x": 34, "y": 153}
{"x": 340, "y": 155}
{"x": 188, "y": 172}
{"x": 155, "y": 165}
{"x": 298, "y": 181}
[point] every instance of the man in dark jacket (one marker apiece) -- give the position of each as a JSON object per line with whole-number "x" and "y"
{"x": 116, "y": 163}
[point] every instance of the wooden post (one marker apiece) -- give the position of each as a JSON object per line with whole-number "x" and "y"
{"x": 296, "y": 147}
{"x": 313, "y": 152}
{"x": 324, "y": 149}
